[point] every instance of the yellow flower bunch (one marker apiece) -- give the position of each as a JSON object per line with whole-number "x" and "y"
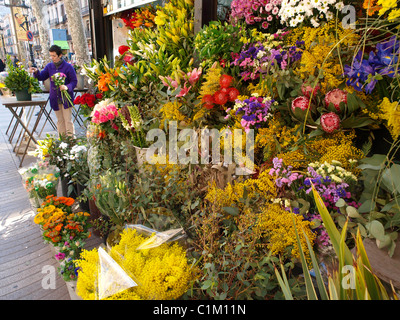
{"x": 211, "y": 83}
{"x": 321, "y": 52}
{"x": 47, "y": 214}
{"x": 389, "y": 5}
{"x": 171, "y": 112}
{"x": 230, "y": 196}
{"x": 390, "y": 113}
{"x": 277, "y": 137}
{"x": 162, "y": 273}
{"x": 275, "y": 225}
{"x": 338, "y": 146}
{"x": 177, "y": 15}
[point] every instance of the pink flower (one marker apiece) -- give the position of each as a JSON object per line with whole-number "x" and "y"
{"x": 307, "y": 90}
{"x": 300, "y": 102}
{"x": 184, "y": 91}
{"x": 60, "y": 256}
{"x": 194, "y": 75}
{"x": 330, "y": 122}
{"x": 336, "y": 96}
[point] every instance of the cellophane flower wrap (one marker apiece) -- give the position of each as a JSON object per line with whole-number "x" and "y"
{"x": 137, "y": 268}
{"x": 40, "y": 179}
{"x": 59, "y": 80}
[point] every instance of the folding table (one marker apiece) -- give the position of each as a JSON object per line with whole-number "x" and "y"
{"x": 13, "y": 105}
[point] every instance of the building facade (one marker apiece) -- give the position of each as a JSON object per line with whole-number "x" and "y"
{"x": 56, "y": 18}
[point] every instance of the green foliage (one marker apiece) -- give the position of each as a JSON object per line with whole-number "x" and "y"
{"x": 360, "y": 284}
{"x": 19, "y": 79}
{"x": 217, "y": 41}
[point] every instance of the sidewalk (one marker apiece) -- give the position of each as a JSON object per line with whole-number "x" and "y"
{"x": 23, "y": 254}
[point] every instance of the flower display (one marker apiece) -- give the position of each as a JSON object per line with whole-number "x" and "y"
{"x": 163, "y": 272}
{"x": 294, "y": 12}
{"x": 263, "y": 13}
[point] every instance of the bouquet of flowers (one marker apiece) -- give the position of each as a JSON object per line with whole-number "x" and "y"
{"x": 253, "y": 111}
{"x": 87, "y": 102}
{"x": 59, "y": 80}
{"x": 295, "y": 12}
{"x": 257, "y": 12}
{"x": 40, "y": 180}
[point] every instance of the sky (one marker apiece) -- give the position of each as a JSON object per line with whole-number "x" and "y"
{"x": 4, "y": 10}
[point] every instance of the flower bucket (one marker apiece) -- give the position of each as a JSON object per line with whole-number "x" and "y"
{"x": 23, "y": 95}
{"x": 6, "y": 92}
{"x": 141, "y": 155}
{"x": 46, "y": 84}
{"x": 81, "y": 82}
{"x": 71, "y": 286}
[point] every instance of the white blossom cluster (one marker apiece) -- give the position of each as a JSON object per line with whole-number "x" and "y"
{"x": 333, "y": 170}
{"x": 294, "y": 12}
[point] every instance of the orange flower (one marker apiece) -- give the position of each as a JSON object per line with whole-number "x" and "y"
{"x": 58, "y": 227}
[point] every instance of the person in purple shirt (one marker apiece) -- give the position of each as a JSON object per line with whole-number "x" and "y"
{"x": 63, "y": 110}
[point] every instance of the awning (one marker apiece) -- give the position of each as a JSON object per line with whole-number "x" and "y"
{"x": 62, "y": 44}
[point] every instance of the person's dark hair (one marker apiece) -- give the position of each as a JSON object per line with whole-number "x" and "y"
{"x": 55, "y": 48}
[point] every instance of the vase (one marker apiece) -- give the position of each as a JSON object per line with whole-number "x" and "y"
{"x": 84, "y": 205}
{"x": 94, "y": 215}
{"x": 6, "y": 92}
{"x": 141, "y": 155}
{"x": 46, "y": 84}
{"x": 71, "y": 286}
{"x": 81, "y": 82}
{"x": 65, "y": 183}
{"x": 23, "y": 95}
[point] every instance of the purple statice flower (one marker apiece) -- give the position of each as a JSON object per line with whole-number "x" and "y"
{"x": 283, "y": 176}
{"x": 253, "y": 111}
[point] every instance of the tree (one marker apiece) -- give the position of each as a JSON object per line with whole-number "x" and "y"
{"x": 76, "y": 29}
{"x": 39, "y": 11}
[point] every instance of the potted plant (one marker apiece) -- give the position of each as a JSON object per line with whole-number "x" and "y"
{"x": 20, "y": 82}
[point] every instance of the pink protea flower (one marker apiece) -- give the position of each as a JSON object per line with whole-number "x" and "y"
{"x": 307, "y": 90}
{"x": 330, "y": 122}
{"x": 300, "y": 102}
{"x": 336, "y": 96}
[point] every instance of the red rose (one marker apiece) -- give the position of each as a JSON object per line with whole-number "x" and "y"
{"x": 99, "y": 96}
{"x": 300, "y": 102}
{"x": 330, "y": 122}
{"x": 123, "y": 49}
{"x": 77, "y": 100}
{"x": 336, "y": 96}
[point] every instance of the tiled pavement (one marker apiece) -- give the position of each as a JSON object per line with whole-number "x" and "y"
{"x": 24, "y": 257}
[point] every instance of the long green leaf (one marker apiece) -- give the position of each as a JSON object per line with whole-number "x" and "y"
{"x": 370, "y": 280}
{"x": 307, "y": 278}
{"x": 330, "y": 227}
{"x": 283, "y": 284}
{"x": 318, "y": 276}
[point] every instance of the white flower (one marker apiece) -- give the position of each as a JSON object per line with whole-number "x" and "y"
{"x": 63, "y": 145}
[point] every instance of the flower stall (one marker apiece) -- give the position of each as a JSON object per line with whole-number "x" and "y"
{"x": 302, "y": 94}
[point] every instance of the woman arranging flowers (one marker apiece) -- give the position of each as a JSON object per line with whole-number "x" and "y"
{"x": 62, "y": 107}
